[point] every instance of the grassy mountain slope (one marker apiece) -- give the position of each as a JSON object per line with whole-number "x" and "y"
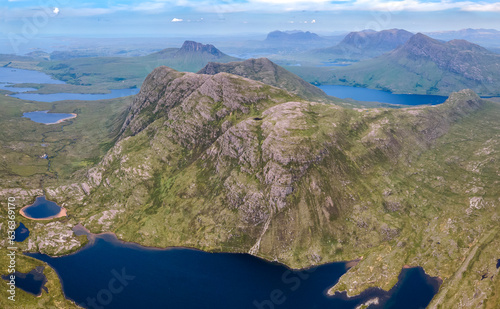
{"x": 426, "y": 66}
{"x": 223, "y": 163}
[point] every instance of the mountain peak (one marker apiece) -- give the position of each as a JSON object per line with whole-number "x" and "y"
{"x": 466, "y": 45}
{"x": 192, "y": 46}
{"x": 250, "y": 65}
{"x": 420, "y": 45}
{"x": 294, "y": 35}
{"x": 419, "y": 39}
{"x": 390, "y": 38}
{"x": 267, "y": 72}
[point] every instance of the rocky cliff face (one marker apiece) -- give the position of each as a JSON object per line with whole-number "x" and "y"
{"x": 204, "y": 99}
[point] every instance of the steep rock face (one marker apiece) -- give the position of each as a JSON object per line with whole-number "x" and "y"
{"x": 165, "y": 88}
{"x": 264, "y": 70}
{"x": 267, "y": 149}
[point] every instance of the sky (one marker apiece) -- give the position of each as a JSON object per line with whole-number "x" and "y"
{"x": 26, "y": 19}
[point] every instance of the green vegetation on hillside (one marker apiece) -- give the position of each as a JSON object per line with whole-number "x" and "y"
{"x": 224, "y": 163}
{"x": 421, "y": 66}
{"x": 250, "y": 169}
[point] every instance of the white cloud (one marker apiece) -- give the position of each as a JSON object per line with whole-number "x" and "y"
{"x": 275, "y": 6}
{"x": 87, "y": 11}
{"x": 149, "y": 6}
{"x": 177, "y": 20}
{"x": 56, "y": 11}
{"x": 483, "y": 7}
{"x": 338, "y": 5}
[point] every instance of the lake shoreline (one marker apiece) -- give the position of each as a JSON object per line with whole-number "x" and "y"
{"x": 62, "y": 213}
{"x": 102, "y": 244}
{"x": 73, "y": 115}
{"x": 82, "y": 230}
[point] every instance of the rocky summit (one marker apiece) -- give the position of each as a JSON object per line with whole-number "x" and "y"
{"x": 191, "y": 46}
{"x": 264, "y": 70}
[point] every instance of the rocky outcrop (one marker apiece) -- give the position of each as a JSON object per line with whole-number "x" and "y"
{"x": 264, "y": 70}
{"x": 203, "y": 100}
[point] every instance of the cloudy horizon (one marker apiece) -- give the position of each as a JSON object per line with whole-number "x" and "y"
{"x": 26, "y": 19}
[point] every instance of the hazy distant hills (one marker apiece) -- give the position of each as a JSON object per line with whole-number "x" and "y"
{"x": 484, "y": 37}
{"x": 425, "y": 65}
{"x": 362, "y": 45}
{"x": 281, "y": 43}
{"x": 264, "y": 70}
{"x": 376, "y": 41}
{"x": 131, "y": 71}
{"x": 277, "y": 38}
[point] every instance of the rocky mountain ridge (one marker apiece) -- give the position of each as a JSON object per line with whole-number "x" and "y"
{"x": 264, "y": 70}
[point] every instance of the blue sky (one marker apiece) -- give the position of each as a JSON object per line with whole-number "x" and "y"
{"x": 122, "y": 18}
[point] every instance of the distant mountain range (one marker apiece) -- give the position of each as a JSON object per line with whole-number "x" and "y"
{"x": 484, "y": 37}
{"x": 293, "y": 37}
{"x": 362, "y": 45}
{"x": 428, "y": 66}
{"x": 281, "y": 43}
